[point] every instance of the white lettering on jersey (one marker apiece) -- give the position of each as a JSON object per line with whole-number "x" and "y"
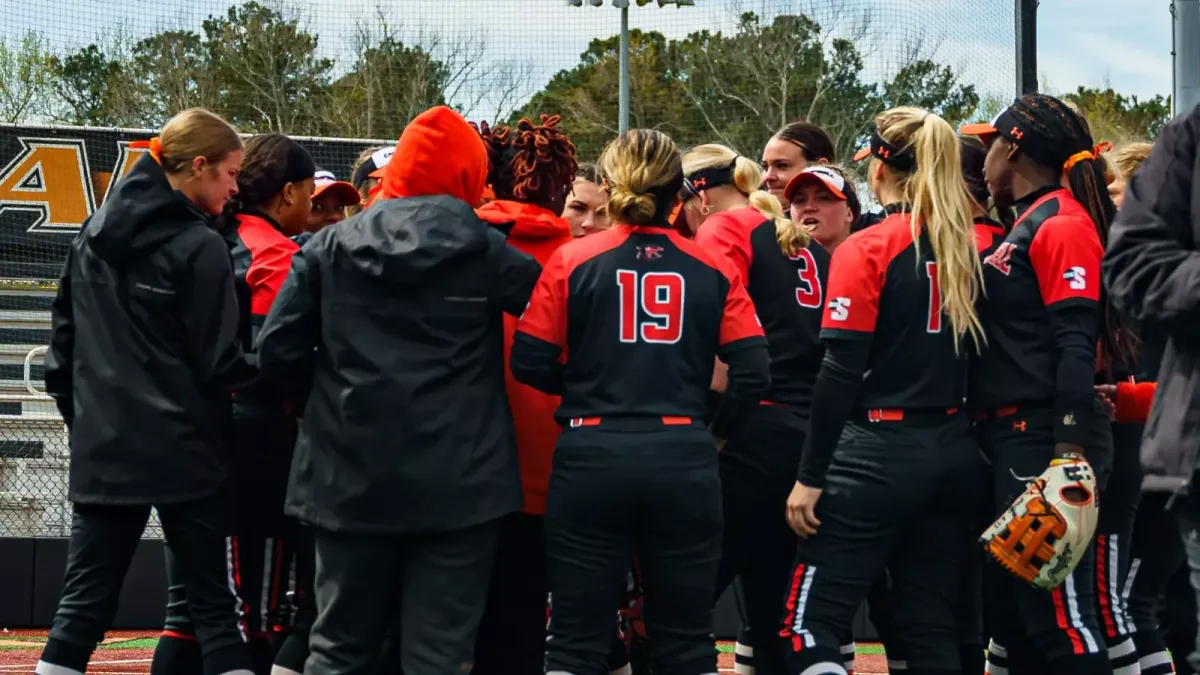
{"x": 1078, "y": 278}
{"x": 839, "y": 309}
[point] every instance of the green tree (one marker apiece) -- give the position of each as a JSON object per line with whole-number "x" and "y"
{"x": 266, "y": 70}
{"x": 1119, "y": 118}
{"x": 95, "y": 85}
{"x": 175, "y": 74}
{"x": 587, "y": 95}
{"x": 24, "y": 78}
{"x": 388, "y": 84}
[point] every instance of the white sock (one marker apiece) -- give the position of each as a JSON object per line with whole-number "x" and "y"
{"x": 280, "y": 670}
{"x": 44, "y": 668}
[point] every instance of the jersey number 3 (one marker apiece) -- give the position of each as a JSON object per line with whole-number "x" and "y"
{"x": 658, "y": 295}
{"x": 808, "y": 293}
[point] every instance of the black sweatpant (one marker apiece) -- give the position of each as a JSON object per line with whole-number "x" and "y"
{"x": 103, "y": 541}
{"x": 430, "y": 588}
{"x": 616, "y": 492}
{"x": 1157, "y": 559}
{"x": 512, "y": 632}
{"x": 758, "y": 469}
{"x": 1062, "y": 627}
{"x": 898, "y": 495}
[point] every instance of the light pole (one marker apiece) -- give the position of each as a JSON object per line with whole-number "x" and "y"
{"x": 623, "y": 5}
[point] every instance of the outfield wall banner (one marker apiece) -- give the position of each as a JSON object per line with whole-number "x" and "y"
{"x": 53, "y": 178}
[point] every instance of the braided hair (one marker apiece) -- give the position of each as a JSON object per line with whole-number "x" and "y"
{"x": 1067, "y": 139}
{"x": 534, "y": 164}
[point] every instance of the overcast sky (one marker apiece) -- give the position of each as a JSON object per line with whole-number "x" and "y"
{"x": 1081, "y": 42}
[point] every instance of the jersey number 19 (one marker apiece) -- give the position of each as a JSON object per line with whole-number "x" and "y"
{"x": 658, "y": 295}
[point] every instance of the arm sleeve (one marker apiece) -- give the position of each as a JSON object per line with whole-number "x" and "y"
{"x": 516, "y": 274}
{"x": 60, "y": 355}
{"x": 1152, "y": 267}
{"x": 210, "y": 318}
{"x": 290, "y": 335}
{"x": 724, "y": 236}
{"x": 742, "y": 345}
{"x": 1065, "y": 254}
{"x": 834, "y": 394}
{"x": 541, "y": 334}
{"x": 1134, "y": 400}
{"x": 853, "y": 290}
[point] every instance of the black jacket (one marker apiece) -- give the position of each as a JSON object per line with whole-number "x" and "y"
{"x": 144, "y": 350}
{"x": 1152, "y": 270}
{"x": 389, "y": 327}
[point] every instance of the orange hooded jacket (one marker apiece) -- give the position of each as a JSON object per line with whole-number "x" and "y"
{"x": 437, "y": 137}
{"x": 537, "y": 233}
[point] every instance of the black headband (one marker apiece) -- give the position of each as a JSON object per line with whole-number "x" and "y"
{"x": 706, "y": 179}
{"x": 898, "y": 158}
{"x": 300, "y": 165}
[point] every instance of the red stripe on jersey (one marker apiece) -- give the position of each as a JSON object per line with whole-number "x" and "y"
{"x": 858, "y": 272}
{"x": 1060, "y": 616}
{"x": 727, "y": 234}
{"x": 270, "y": 260}
{"x": 1106, "y": 613}
{"x": 987, "y": 234}
{"x": 739, "y": 321}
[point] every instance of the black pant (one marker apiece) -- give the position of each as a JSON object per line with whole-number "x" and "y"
{"x": 617, "y": 492}
{"x": 512, "y": 633}
{"x": 1114, "y": 538}
{"x": 1157, "y": 559}
{"x": 1061, "y": 627}
{"x": 430, "y": 587}
{"x": 898, "y": 495}
{"x": 103, "y": 541}
{"x": 758, "y": 469}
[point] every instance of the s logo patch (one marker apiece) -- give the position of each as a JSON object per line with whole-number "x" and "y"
{"x": 839, "y": 309}
{"x": 1078, "y": 278}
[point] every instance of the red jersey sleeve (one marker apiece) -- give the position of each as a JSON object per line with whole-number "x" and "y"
{"x": 855, "y": 283}
{"x": 724, "y": 236}
{"x": 545, "y": 318}
{"x": 1065, "y": 254}
{"x": 740, "y": 320}
{"x": 268, "y": 270}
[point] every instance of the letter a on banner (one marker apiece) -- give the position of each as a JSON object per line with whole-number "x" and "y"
{"x": 50, "y": 178}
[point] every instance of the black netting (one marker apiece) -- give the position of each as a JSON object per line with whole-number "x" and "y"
{"x": 80, "y": 79}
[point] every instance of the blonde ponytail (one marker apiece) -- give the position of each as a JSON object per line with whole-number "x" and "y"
{"x": 747, "y": 177}
{"x": 638, "y": 164}
{"x": 940, "y": 203}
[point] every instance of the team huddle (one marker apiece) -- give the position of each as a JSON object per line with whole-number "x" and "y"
{"x": 488, "y": 409}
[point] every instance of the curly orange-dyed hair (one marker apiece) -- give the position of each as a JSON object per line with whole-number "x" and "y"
{"x": 531, "y": 163}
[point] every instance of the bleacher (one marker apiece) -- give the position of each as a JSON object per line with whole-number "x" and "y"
{"x": 33, "y": 440}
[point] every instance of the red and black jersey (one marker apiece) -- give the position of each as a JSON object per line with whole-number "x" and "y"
{"x": 629, "y": 321}
{"x": 262, "y": 256}
{"x": 889, "y": 346}
{"x": 883, "y": 291}
{"x": 787, "y": 292}
{"x": 1041, "y": 313}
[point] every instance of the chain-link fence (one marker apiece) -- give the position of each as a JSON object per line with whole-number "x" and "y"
{"x": 76, "y": 75}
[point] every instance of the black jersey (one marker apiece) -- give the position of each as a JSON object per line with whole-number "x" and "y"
{"x": 787, "y": 292}
{"x": 639, "y": 313}
{"x": 883, "y": 291}
{"x": 1041, "y": 313}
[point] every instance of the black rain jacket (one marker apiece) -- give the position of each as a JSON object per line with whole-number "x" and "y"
{"x": 389, "y": 329}
{"x": 1152, "y": 270}
{"x": 144, "y": 348}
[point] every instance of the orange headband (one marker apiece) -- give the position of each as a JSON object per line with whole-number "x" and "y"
{"x": 1094, "y": 153}
{"x": 154, "y": 146}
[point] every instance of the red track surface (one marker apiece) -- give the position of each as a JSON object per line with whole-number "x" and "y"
{"x": 19, "y": 651}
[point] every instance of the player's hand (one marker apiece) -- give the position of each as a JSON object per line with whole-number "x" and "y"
{"x": 801, "y": 510}
{"x": 1067, "y": 449}
{"x": 1107, "y": 393}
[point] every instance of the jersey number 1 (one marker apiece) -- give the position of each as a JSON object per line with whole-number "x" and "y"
{"x": 657, "y": 294}
{"x": 934, "y": 323}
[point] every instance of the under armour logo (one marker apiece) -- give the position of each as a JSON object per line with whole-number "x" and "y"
{"x": 700, "y": 182}
{"x": 1019, "y": 426}
{"x": 1017, "y": 133}
{"x": 649, "y": 252}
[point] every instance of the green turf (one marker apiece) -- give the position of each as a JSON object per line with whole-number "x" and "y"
{"x": 863, "y": 650}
